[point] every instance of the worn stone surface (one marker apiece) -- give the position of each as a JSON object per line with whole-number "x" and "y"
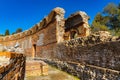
{"x": 14, "y": 68}
{"x": 4, "y": 60}
{"x": 15, "y": 48}
{"x": 36, "y": 68}
{"x": 96, "y": 53}
{"x": 77, "y": 26}
{"x": 53, "y": 74}
{"x": 85, "y": 72}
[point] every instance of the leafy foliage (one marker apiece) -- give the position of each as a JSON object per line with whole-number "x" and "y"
{"x": 108, "y": 20}
{"x": 99, "y": 23}
{"x": 110, "y": 9}
{"x": 19, "y": 30}
{"x": 1, "y": 35}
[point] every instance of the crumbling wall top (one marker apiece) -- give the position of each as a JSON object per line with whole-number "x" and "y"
{"x": 55, "y": 14}
{"x": 75, "y": 19}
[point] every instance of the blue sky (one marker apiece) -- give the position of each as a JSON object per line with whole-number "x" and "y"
{"x": 25, "y": 13}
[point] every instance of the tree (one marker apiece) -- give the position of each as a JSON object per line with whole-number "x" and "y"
{"x": 18, "y": 30}
{"x": 13, "y": 33}
{"x": 110, "y": 9}
{"x": 98, "y": 23}
{"x": 98, "y": 17}
{"x": 1, "y": 35}
{"x": 119, "y": 6}
{"x": 109, "y": 19}
{"x": 97, "y": 26}
{"x": 7, "y": 32}
{"x": 113, "y": 12}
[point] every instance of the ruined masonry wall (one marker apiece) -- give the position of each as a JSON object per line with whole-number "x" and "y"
{"x": 46, "y": 38}
{"x": 88, "y": 58}
{"x": 44, "y": 34}
{"x": 96, "y": 59}
{"x": 86, "y": 51}
{"x": 15, "y": 70}
{"x": 84, "y": 71}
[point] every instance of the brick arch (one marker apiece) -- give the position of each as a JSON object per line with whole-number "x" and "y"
{"x": 74, "y": 33}
{"x": 33, "y": 50}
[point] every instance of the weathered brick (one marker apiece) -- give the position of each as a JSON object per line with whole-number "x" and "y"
{"x": 12, "y": 69}
{"x": 33, "y": 72}
{"x": 2, "y": 69}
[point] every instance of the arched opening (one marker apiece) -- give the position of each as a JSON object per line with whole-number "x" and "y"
{"x": 73, "y": 34}
{"x": 34, "y": 51}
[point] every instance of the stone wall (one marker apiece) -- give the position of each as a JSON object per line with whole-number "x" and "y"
{"x": 84, "y": 71}
{"x": 47, "y": 40}
{"x": 77, "y": 26}
{"x": 36, "y": 68}
{"x": 94, "y": 52}
{"x": 15, "y": 69}
{"x": 48, "y": 32}
{"x": 93, "y": 57}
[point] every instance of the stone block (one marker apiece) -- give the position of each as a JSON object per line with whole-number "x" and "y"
{"x": 44, "y": 70}
{"x": 11, "y": 69}
{"x": 2, "y": 54}
{"x": 7, "y": 67}
{"x": 2, "y": 69}
{"x": 5, "y": 77}
{"x": 33, "y": 67}
{"x": 13, "y": 78}
{"x": 33, "y": 73}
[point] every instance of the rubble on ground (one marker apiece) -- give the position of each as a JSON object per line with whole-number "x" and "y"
{"x": 4, "y": 60}
{"x": 15, "y": 48}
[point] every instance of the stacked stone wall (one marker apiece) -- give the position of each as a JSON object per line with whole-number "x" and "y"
{"x": 36, "y": 68}
{"x": 103, "y": 54}
{"x": 92, "y": 57}
{"x": 15, "y": 70}
{"x": 84, "y": 71}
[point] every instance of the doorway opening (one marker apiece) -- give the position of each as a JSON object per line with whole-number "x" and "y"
{"x": 73, "y": 34}
{"x": 34, "y": 51}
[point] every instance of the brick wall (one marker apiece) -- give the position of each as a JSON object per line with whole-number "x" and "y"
{"x": 91, "y": 57}
{"x": 36, "y": 68}
{"x": 15, "y": 70}
{"x": 49, "y": 31}
{"x": 82, "y": 50}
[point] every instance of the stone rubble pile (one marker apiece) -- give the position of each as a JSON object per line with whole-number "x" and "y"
{"x": 16, "y": 48}
{"x": 94, "y": 38}
{"x": 12, "y": 66}
{"x": 4, "y": 60}
{"x": 85, "y": 71}
{"x": 103, "y": 35}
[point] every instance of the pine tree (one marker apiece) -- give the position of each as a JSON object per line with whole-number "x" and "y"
{"x": 7, "y": 32}
{"x": 18, "y": 30}
{"x": 97, "y": 24}
{"x": 109, "y": 19}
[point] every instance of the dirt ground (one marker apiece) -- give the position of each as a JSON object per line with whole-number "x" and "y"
{"x": 53, "y": 74}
